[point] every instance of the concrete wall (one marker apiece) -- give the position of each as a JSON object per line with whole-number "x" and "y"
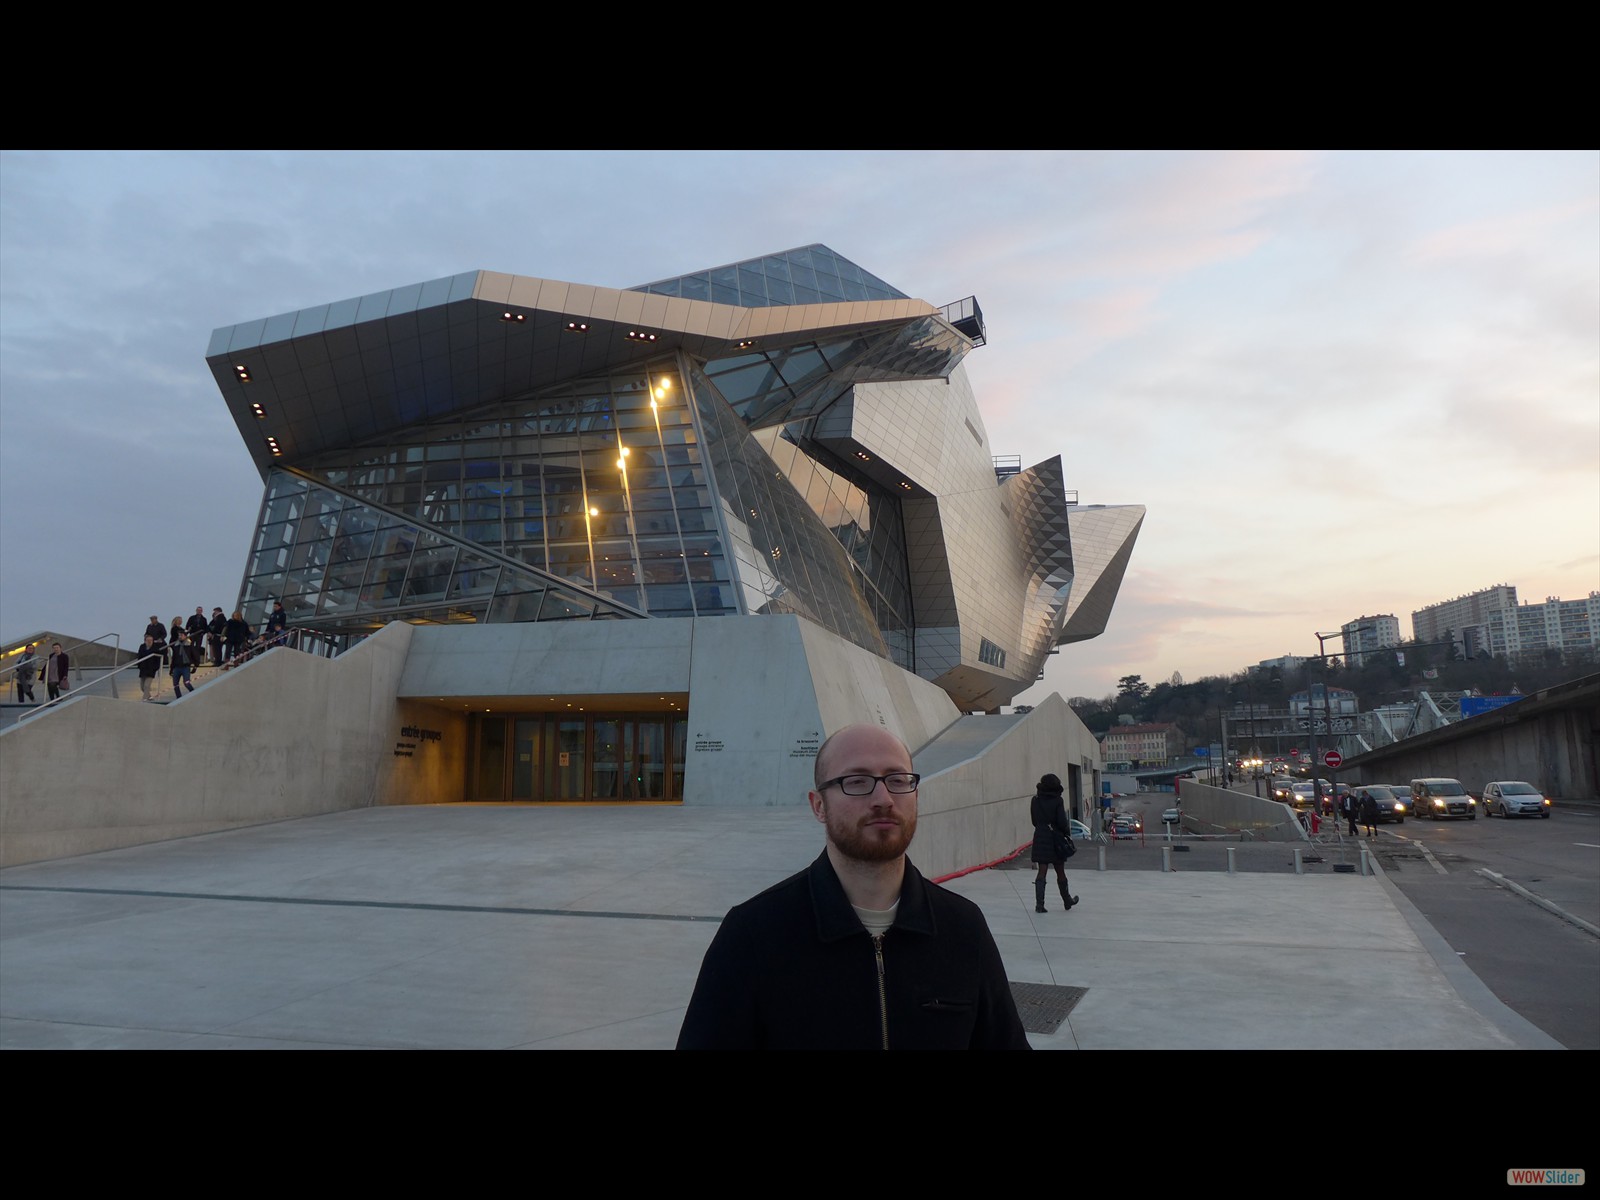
{"x": 765, "y": 692}
{"x": 556, "y": 658}
{"x": 1212, "y": 810}
{"x": 291, "y": 735}
{"x": 286, "y": 735}
{"x": 1548, "y": 739}
{"x": 975, "y": 809}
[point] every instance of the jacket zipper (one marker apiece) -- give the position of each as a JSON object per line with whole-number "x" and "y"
{"x": 883, "y": 993}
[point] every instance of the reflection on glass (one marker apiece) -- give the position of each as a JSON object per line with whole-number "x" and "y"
{"x": 607, "y": 759}
{"x": 525, "y": 758}
{"x": 491, "y": 758}
{"x": 566, "y": 763}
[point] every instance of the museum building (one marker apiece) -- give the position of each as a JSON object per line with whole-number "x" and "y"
{"x": 537, "y": 474}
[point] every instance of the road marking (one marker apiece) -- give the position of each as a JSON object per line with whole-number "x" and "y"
{"x": 1428, "y": 854}
{"x": 1547, "y": 905}
{"x": 1588, "y": 845}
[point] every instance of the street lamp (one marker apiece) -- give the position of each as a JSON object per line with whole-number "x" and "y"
{"x": 1311, "y": 704}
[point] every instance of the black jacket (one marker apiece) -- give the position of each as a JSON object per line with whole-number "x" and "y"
{"x": 794, "y": 969}
{"x": 1048, "y": 812}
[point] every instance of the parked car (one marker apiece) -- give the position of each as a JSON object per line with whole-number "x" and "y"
{"x": 1436, "y": 797}
{"x": 1391, "y": 807}
{"x": 1514, "y": 798}
{"x": 1078, "y": 829}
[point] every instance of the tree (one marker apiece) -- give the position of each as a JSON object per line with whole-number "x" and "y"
{"x": 1133, "y": 687}
{"x": 1176, "y": 680}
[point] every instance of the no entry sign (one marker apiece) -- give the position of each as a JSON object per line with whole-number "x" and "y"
{"x": 1333, "y": 760}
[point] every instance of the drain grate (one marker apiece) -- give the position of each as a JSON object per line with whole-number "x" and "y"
{"x": 1043, "y": 1006}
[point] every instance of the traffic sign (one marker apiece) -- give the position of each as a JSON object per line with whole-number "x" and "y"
{"x": 1333, "y": 760}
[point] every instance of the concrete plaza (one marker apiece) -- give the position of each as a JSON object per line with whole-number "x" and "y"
{"x": 520, "y": 927}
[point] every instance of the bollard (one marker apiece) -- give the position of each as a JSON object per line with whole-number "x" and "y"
{"x": 1230, "y": 860}
{"x": 1166, "y": 858}
{"x": 1299, "y": 867}
{"x": 1366, "y": 866}
{"x": 1102, "y": 856}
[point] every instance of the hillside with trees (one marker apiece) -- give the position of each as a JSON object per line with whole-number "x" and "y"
{"x": 1198, "y": 707}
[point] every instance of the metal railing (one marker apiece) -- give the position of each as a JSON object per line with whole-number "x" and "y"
{"x": 38, "y": 663}
{"x": 310, "y": 641}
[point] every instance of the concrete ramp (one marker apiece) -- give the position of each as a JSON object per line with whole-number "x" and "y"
{"x": 969, "y": 738}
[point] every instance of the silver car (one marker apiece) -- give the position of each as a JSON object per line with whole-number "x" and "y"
{"x": 1514, "y": 798}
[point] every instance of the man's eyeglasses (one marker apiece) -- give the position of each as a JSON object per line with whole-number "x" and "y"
{"x": 896, "y": 782}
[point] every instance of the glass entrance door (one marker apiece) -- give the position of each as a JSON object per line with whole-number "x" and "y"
{"x": 525, "y": 746}
{"x": 567, "y": 766}
{"x": 489, "y": 774}
{"x": 545, "y": 757}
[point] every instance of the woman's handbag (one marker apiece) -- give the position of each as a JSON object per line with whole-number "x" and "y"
{"x": 1065, "y": 848}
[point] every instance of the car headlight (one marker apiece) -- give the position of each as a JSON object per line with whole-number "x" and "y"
{"x": 1470, "y": 800}
{"x": 1438, "y": 803}
{"x": 1547, "y": 801}
{"x": 1399, "y": 807}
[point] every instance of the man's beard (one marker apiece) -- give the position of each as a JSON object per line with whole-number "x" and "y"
{"x": 870, "y": 843}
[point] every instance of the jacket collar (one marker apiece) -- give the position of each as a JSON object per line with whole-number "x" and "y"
{"x": 837, "y": 919}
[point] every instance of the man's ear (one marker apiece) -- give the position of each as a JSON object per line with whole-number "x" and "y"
{"x": 819, "y": 806}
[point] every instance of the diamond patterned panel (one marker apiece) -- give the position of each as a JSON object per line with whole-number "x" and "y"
{"x": 1103, "y": 536}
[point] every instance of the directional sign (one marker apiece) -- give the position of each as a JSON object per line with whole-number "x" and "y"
{"x": 1333, "y": 760}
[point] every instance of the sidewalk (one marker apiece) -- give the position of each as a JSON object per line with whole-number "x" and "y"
{"x": 492, "y": 926}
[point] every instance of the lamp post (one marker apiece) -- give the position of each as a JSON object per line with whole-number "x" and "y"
{"x": 1311, "y": 704}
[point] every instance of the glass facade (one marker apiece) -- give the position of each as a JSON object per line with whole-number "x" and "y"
{"x": 623, "y": 496}
{"x": 806, "y": 275}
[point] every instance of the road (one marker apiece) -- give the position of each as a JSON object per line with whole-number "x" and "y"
{"x": 1539, "y": 965}
{"x": 1456, "y": 873}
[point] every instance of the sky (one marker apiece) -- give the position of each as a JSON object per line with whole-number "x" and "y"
{"x": 1343, "y": 383}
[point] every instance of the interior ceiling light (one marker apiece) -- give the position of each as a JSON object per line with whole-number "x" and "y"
{"x": 577, "y": 327}
{"x": 513, "y": 318}
{"x": 243, "y": 372}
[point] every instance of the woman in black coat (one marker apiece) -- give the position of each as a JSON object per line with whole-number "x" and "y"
{"x": 1051, "y": 837}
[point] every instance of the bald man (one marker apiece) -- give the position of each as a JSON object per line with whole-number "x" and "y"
{"x": 858, "y": 951}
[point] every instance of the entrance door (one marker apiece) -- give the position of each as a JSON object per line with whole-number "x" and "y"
{"x": 545, "y": 757}
{"x": 490, "y": 775}
{"x": 608, "y": 758}
{"x": 567, "y": 765}
{"x": 526, "y": 743}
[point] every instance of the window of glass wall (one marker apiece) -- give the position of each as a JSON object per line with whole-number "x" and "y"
{"x": 597, "y": 482}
